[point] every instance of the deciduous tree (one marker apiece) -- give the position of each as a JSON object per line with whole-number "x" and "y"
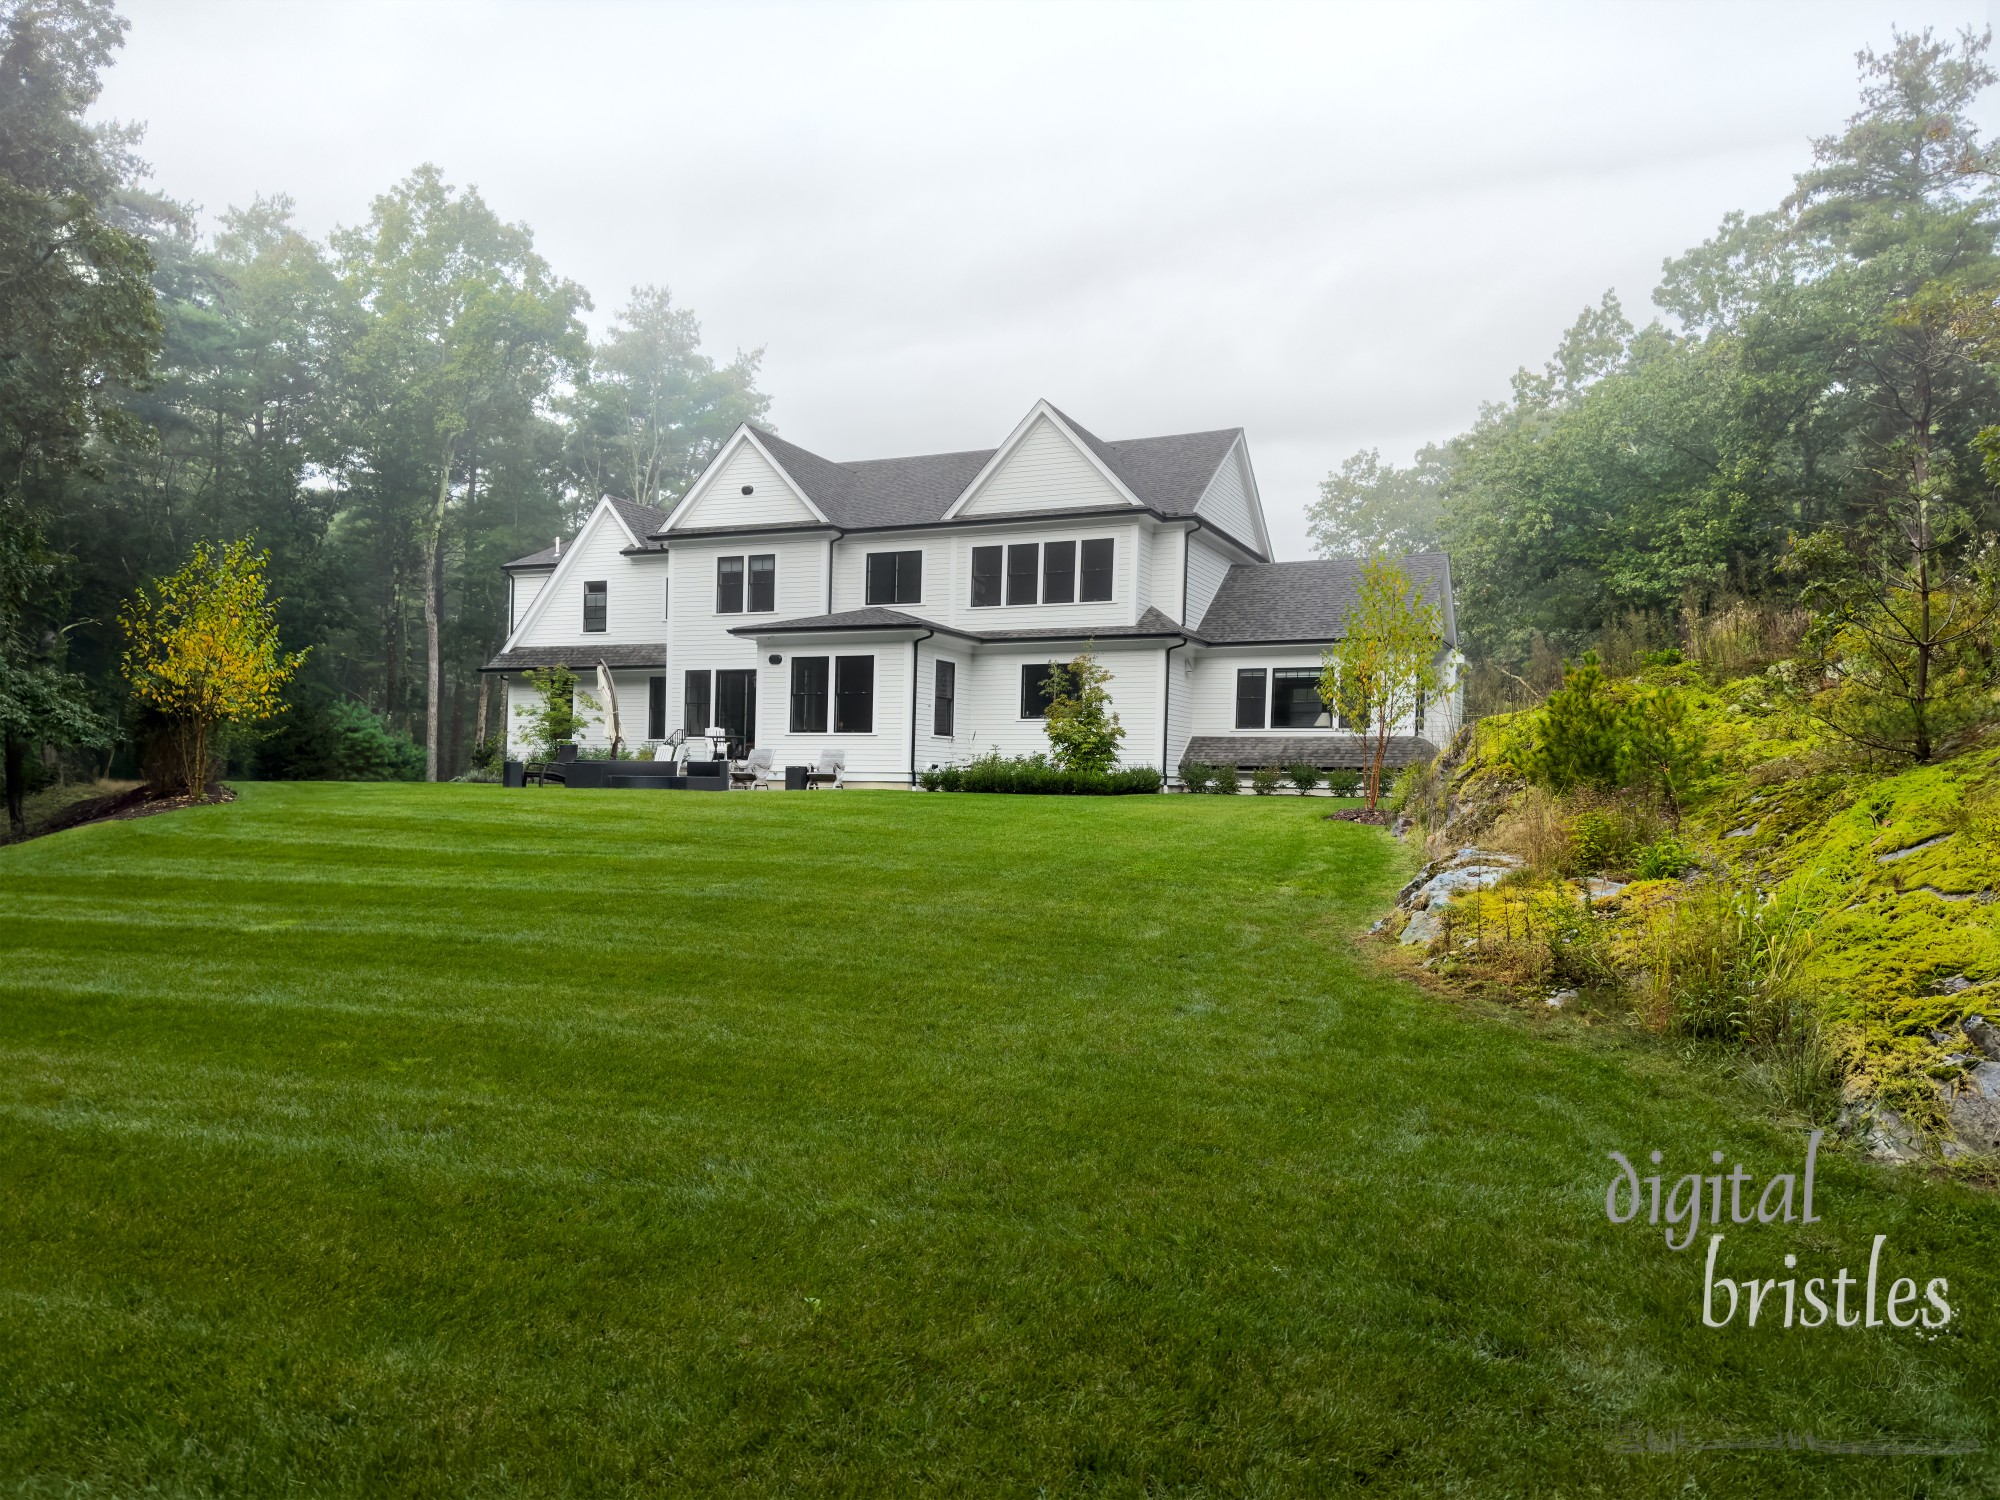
{"x": 1388, "y": 661}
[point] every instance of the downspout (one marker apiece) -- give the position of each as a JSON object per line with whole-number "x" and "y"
{"x": 1187, "y": 538}
{"x": 1167, "y": 709}
{"x": 837, "y": 535}
{"x": 915, "y": 645}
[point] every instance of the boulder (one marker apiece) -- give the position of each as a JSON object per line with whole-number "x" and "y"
{"x": 1974, "y": 1106}
{"x": 1984, "y": 1035}
{"x": 1879, "y": 1131}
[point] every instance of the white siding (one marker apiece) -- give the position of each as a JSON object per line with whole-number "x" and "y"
{"x": 698, "y": 635}
{"x": 723, "y": 503}
{"x": 1214, "y": 684}
{"x": 1206, "y": 566}
{"x": 1180, "y": 708}
{"x": 1165, "y": 558}
{"x": 989, "y": 698}
{"x": 1145, "y": 541}
{"x": 1226, "y": 501}
{"x": 632, "y": 600}
{"x": 1045, "y": 471}
{"x": 960, "y": 745}
{"x": 881, "y": 756}
{"x": 1121, "y": 609}
{"x": 850, "y": 571}
{"x": 525, "y": 587}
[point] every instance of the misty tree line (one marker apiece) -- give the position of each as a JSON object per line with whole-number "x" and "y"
{"x": 1824, "y": 370}
{"x": 392, "y": 412}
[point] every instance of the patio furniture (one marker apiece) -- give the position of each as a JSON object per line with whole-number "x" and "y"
{"x": 751, "y": 773}
{"x": 828, "y": 771}
{"x": 542, "y": 771}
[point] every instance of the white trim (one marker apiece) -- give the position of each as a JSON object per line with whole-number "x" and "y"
{"x": 1240, "y": 452}
{"x": 562, "y": 569}
{"x": 1015, "y": 439}
{"x": 697, "y": 490}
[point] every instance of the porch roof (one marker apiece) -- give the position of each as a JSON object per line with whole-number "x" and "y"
{"x": 579, "y": 658}
{"x": 1330, "y": 750}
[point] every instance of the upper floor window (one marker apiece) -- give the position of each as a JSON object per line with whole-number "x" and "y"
{"x": 896, "y": 577}
{"x": 1058, "y": 572}
{"x": 595, "y": 598}
{"x": 1024, "y": 562}
{"x": 1097, "y": 557}
{"x": 986, "y": 576}
{"x": 762, "y": 568}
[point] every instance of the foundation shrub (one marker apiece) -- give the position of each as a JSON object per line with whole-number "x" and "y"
{"x": 1343, "y": 783}
{"x": 1032, "y": 775}
{"x": 1304, "y": 777}
{"x": 1266, "y": 780}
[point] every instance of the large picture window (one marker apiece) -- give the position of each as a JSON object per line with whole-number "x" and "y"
{"x": 1024, "y": 564}
{"x": 895, "y": 577}
{"x": 1250, "y": 698}
{"x": 944, "y": 703}
{"x": 729, "y": 585}
{"x": 854, "y": 695}
{"x": 695, "y": 704}
{"x": 986, "y": 576}
{"x": 809, "y": 694}
{"x": 595, "y": 597}
{"x": 1295, "y": 701}
{"x": 1097, "y": 556}
{"x": 1035, "y": 690}
{"x": 764, "y": 582}
{"x": 1058, "y": 572}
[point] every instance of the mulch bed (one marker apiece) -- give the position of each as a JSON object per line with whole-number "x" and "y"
{"x": 139, "y": 802}
{"x": 1360, "y": 815}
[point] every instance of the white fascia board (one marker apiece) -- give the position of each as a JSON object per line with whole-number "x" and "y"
{"x": 743, "y": 434}
{"x": 562, "y": 567}
{"x": 1014, "y": 439}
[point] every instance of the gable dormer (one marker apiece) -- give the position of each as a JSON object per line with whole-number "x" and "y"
{"x": 744, "y": 485}
{"x": 1043, "y": 465}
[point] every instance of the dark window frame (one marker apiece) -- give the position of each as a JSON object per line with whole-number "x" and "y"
{"x": 1290, "y": 676}
{"x": 1035, "y": 693}
{"x": 854, "y": 702}
{"x": 989, "y": 569}
{"x": 1261, "y": 676}
{"x": 944, "y": 699}
{"x": 1059, "y": 579}
{"x": 656, "y": 708}
{"x": 812, "y": 693}
{"x": 894, "y": 577}
{"x": 1029, "y": 576}
{"x": 599, "y": 592}
{"x": 760, "y": 589}
{"x": 689, "y": 698}
{"x": 729, "y": 585}
{"x": 1097, "y": 568}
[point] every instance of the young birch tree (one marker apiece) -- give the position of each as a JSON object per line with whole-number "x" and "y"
{"x": 1386, "y": 664}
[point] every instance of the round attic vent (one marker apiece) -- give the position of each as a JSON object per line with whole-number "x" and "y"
{"x": 749, "y": 489}
{"x": 777, "y": 661}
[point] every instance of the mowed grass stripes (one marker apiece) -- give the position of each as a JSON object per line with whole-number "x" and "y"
{"x": 451, "y": 1141}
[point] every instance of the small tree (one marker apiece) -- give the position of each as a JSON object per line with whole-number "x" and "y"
{"x": 552, "y": 719}
{"x": 1083, "y": 730}
{"x": 1580, "y": 734}
{"x": 40, "y": 703}
{"x": 202, "y": 648}
{"x": 1386, "y": 663}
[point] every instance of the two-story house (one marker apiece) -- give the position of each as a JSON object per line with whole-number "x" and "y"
{"x": 907, "y": 610}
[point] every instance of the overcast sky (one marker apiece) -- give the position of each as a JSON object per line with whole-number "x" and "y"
{"x": 1338, "y": 227}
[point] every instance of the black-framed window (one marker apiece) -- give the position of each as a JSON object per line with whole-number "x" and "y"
{"x": 1097, "y": 556}
{"x": 1024, "y": 566}
{"x": 986, "y": 576}
{"x": 596, "y": 598}
{"x": 809, "y": 694}
{"x": 944, "y": 702}
{"x": 729, "y": 585}
{"x": 1035, "y": 689}
{"x": 695, "y": 703}
{"x": 854, "y": 695}
{"x": 1250, "y": 684}
{"x": 896, "y": 577}
{"x": 1295, "y": 700}
{"x": 656, "y": 708}
{"x": 1059, "y": 572}
{"x": 763, "y": 582}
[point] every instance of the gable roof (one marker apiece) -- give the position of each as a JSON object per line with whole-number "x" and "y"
{"x": 1309, "y": 601}
{"x": 641, "y": 520}
{"x": 1167, "y": 474}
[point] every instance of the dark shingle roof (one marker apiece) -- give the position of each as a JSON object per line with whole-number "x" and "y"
{"x": 1151, "y": 623}
{"x": 1329, "y": 751}
{"x": 1166, "y": 473}
{"x": 1305, "y": 601}
{"x": 641, "y": 520}
{"x": 579, "y": 658}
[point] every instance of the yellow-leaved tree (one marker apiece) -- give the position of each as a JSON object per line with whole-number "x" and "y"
{"x": 202, "y": 648}
{"x": 1386, "y": 664}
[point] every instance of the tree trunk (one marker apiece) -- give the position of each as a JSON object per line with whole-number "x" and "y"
{"x": 17, "y": 774}
{"x": 479, "y": 739}
{"x": 392, "y": 652}
{"x": 433, "y": 610}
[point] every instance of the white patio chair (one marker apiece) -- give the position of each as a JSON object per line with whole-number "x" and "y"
{"x": 828, "y": 772}
{"x": 752, "y": 772}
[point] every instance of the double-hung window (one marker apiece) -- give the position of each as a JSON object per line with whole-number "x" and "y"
{"x": 656, "y": 708}
{"x": 1250, "y": 683}
{"x": 1295, "y": 700}
{"x": 595, "y": 597}
{"x": 809, "y": 694}
{"x": 1097, "y": 556}
{"x": 944, "y": 703}
{"x": 762, "y": 570}
{"x": 896, "y": 577}
{"x": 1024, "y": 563}
{"x": 1035, "y": 690}
{"x": 695, "y": 703}
{"x": 1059, "y": 572}
{"x": 854, "y": 695}
{"x": 986, "y": 576}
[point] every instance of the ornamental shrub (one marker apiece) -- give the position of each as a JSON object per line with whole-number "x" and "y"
{"x": 1032, "y": 775}
{"x": 1226, "y": 782}
{"x": 1343, "y": 783}
{"x": 1084, "y": 732}
{"x": 1196, "y": 776}
{"x": 1265, "y": 779}
{"x": 1304, "y": 777}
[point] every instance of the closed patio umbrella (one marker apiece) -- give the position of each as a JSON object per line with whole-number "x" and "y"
{"x": 610, "y": 696}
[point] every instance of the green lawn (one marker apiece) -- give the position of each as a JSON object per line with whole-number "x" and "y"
{"x": 387, "y": 1140}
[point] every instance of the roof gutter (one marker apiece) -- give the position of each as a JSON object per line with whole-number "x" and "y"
{"x": 914, "y": 646}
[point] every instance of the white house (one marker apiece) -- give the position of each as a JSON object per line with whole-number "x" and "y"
{"x": 906, "y": 610}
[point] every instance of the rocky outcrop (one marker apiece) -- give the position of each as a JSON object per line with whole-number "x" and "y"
{"x": 1427, "y": 896}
